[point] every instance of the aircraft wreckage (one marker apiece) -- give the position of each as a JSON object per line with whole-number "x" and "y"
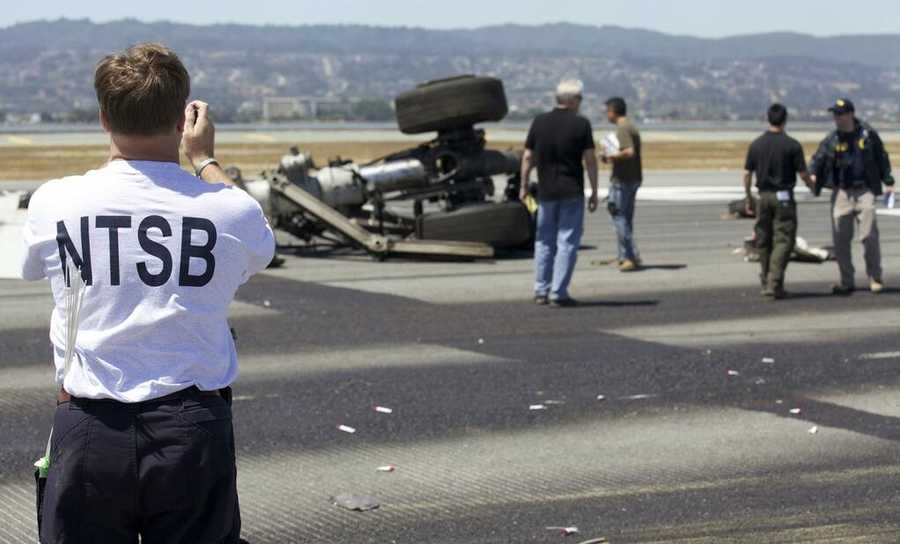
{"x": 436, "y": 199}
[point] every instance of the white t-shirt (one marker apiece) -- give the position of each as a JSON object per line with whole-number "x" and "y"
{"x": 163, "y": 254}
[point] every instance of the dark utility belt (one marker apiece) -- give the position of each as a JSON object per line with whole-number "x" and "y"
{"x": 854, "y": 184}
{"x": 190, "y": 392}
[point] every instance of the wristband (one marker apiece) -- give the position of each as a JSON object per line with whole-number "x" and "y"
{"x": 199, "y": 169}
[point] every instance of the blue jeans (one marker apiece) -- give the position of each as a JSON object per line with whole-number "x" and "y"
{"x": 560, "y": 224}
{"x": 623, "y": 196}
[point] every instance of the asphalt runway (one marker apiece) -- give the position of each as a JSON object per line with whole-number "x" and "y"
{"x": 693, "y": 442}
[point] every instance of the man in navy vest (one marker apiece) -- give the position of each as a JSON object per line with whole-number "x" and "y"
{"x": 853, "y": 163}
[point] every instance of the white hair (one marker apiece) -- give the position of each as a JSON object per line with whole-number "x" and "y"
{"x": 569, "y": 89}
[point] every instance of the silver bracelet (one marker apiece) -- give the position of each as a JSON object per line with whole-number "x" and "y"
{"x": 199, "y": 170}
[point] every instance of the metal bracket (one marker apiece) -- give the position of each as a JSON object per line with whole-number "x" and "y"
{"x": 376, "y": 244}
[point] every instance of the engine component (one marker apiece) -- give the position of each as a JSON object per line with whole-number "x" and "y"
{"x": 337, "y": 186}
{"x": 395, "y": 176}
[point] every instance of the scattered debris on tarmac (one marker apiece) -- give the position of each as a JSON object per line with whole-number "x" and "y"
{"x": 639, "y": 397}
{"x": 356, "y": 503}
{"x": 565, "y": 531}
{"x": 347, "y": 429}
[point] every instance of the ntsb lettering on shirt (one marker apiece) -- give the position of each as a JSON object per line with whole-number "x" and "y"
{"x": 157, "y": 248}
{"x": 154, "y": 247}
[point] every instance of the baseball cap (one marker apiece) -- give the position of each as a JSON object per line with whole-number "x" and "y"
{"x": 841, "y": 106}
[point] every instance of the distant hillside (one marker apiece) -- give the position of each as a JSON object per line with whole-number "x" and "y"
{"x": 47, "y": 66}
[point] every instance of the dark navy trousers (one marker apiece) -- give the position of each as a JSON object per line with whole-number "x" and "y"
{"x": 162, "y": 470}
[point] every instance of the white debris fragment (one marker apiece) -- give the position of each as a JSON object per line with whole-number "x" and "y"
{"x": 387, "y": 468}
{"x": 639, "y": 397}
{"x": 267, "y": 303}
{"x": 760, "y": 381}
{"x": 567, "y": 531}
{"x": 384, "y": 410}
{"x": 734, "y": 373}
{"x": 601, "y": 397}
{"x": 554, "y": 402}
{"x": 779, "y": 401}
{"x": 536, "y": 407}
{"x": 357, "y": 503}
{"x": 768, "y": 361}
{"x": 346, "y": 429}
{"x": 796, "y": 411}
{"x": 813, "y": 430}
{"x": 480, "y": 341}
{"x": 882, "y": 355}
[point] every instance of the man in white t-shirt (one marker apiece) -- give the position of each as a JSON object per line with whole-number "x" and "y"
{"x": 143, "y": 445}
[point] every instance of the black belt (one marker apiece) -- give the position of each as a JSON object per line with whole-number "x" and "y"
{"x": 192, "y": 391}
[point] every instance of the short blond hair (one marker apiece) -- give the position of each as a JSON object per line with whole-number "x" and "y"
{"x": 143, "y": 90}
{"x": 569, "y": 89}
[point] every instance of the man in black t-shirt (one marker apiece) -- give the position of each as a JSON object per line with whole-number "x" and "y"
{"x": 560, "y": 145}
{"x": 776, "y": 159}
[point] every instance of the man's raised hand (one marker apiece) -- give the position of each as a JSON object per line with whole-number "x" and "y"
{"x": 199, "y": 135}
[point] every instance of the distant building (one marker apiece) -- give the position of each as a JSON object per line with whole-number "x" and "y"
{"x": 333, "y": 107}
{"x": 282, "y": 108}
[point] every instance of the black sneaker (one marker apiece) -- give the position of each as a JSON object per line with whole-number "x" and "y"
{"x": 541, "y": 300}
{"x": 567, "y": 302}
{"x": 775, "y": 293}
{"x": 842, "y": 290}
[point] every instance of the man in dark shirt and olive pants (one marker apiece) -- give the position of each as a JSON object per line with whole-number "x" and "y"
{"x": 776, "y": 159}
{"x": 560, "y": 145}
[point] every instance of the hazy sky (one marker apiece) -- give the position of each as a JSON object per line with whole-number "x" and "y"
{"x": 695, "y": 17}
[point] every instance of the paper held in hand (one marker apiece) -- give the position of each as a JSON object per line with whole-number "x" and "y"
{"x": 73, "y": 296}
{"x": 610, "y": 144}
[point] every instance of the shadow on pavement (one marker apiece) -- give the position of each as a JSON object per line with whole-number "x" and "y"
{"x": 646, "y": 267}
{"x": 612, "y": 304}
{"x": 828, "y": 414}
